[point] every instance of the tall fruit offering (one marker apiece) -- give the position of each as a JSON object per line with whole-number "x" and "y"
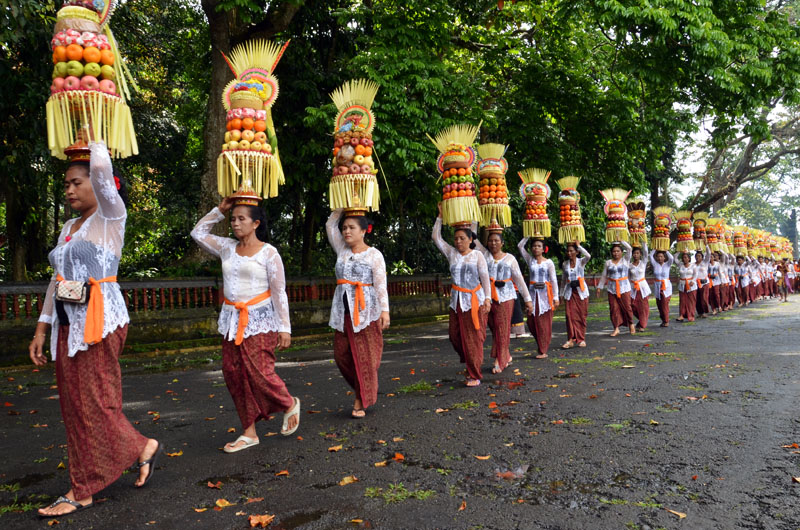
{"x": 739, "y": 241}
{"x": 700, "y": 221}
{"x": 535, "y": 191}
{"x": 712, "y": 233}
{"x": 353, "y": 184}
{"x": 637, "y": 216}
{"x": 684, "y": 224}
{"x": 615, "y": 210}
{"x": 493, "y": 198}
{"x": 662, "y": 224}
{"x": 456, "y": 161}
{"x": 570, "y": 228}
{"x": 90, "y": 83}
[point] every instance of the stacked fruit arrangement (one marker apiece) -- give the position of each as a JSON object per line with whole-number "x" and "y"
{"x": 615, "y": 210}
{"x": 700, "y": 221}
{"x": 773, "y": 245}
{"x": 684, "y": 226}
{"x": 713, "y": 234}
{"x": 662, "y": 223}
{"x": 535, "y": 191}
{"x": 88, "y": 89}
{"x": 571, "y": 225}
{"x": 751, "y": 243}
{"x": 493, "y": 198}
{"x": 637, "y": 216}
{"x": 353, "y": 185}
{"x": 249, "y": 154}
{"x": 739, "y": 241}
{"x": 455, "y": 162}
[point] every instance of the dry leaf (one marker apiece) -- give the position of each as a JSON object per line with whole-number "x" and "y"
{"x": 412, "y": 372}
{"x": 463, "y": 506}
{"x": 439, "y": 411}
{"x": 627, "y": 395}
{"x": 551, "y": 386}
{"x": 313, "y": 411}
{"x": 260, "y": 520}
{"x": 395, "y": 379}
{"x": 232, "y": 429}
{"x": 222, "y": 503}
{"x": 284, "y": 473}
{"x": 241, "y": 513}
{"x": 791, "y": 446}
{"x": 593, "y": 396}
{"x": 270, "y": 434}
{"x": 680, "y": 515}
{"x": 653, "y": 422}
{"x": 200, "y": 510}
{"x": 254, "y": 499}
{"x": 383, "y": 463}
{"x": 694, "y": 477}
{"x": 211, "y": 419}
{"x": 172, "y": 455}
{"x": 61, "y": 466}
{"x": 629, "y": 366}
{"x": 398, "y": 457}
{"x": 218, "y": 485}
{"x": 487, "y": 457}
{"x": 53, "y": 522}
{"x": 382, "y": 442}
{"x": 356, "y": 521}
{"x": 349, "y": 479}
{"x": 397, "y": 439}
{"x": 300, "y": 438}
{"x": 492, "y": 405}
{"x": 796, "y": 479}
{"x": 335, "y": 448}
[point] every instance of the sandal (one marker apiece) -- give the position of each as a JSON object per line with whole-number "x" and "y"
{"x": 63, "y": 500}
{"x": 295, "y": 410}
{"x": 568, "y": 345}
{"x": 248, "y": 442}
{"x": 151, "y": 461}
{"x": 358, "y": 413}
{"x": 582, "y": 344}
{"x": 473, "y": 382}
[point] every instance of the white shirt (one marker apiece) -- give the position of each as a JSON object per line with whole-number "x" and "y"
{"x": 702, "y": 267}
{"x": 540, "y": 273}
{"x": 572, "y": 274}
{"x": 244, "y": 278}
{"x": 662, "y": 285}
{"x": 467, "y": 271}
{"x": 742, "y": 273}
{"x": 636, "y": 274}
{"x": 506, "y": 270}
{"x": 688, "y": 277}
{"x": 616, "y": 271}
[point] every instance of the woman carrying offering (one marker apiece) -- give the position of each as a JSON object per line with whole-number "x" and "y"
{"x": 360, "y": 309}
{"x": 254, "y": 319}
{"x": 504, "y": 276}
{"x": 470, "y": 296}
{"x": 615, "y": 281}
{"x": 687, "y": 288}
{"x": 576, "y": 295}
{"x": 755, "y": 279}
{"x": 640, "y": 294}
{"x": 544, "y": 285}
{"x": 701, "y": 261}
{"x": 741, "y": 273}
{"x": 662, "y": 261}
{"x": 714, "y": 283}
{"x": 89, "y": 329}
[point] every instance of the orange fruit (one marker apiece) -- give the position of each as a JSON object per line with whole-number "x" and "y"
{"x": 493, "y": 188}
{"x": 260, "y": 126}
{"x": 462, "y": 193}
{"x": 248, "y": 123}
{"x": 359, "y": 149}
{"x": 60, "y": 52}
{"x": 236, "y": 123}
{"x": 107, "y": 57}
{"x": 91, "y": 55}
{"x": 228, "y": 126}
{"x": 492, "y": 194}
{"x": 55, "y": 58}
{"x": 74, "y": 52}
{"x": 367, "y": 151}
{"x": 462, "y": 172}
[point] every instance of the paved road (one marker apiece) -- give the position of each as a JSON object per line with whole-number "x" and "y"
{"x": 692, "y": 419}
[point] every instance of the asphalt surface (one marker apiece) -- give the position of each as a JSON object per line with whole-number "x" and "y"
{"x": 687, "y": 427}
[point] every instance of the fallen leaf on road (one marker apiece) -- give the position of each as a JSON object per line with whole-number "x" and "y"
{"x": 334, "y": 448}
{"x": 593, "y": 396}
{"x": 439, "y": 411}
{"x": 397, "y": 439}
{"x": 313, "y": 411}
{"x": 694, "y": 477}
{"x": 172, "y": 455}
{"x": 211, "y": 419}
{"x": 395, "y": 379}
{"x": 383, "y": 463}
{"x": 629, "y": 366}
{"x": 53, "y": 522}
{"x": 492, "y": 405}
{"x": 565, "y": 395}
{"x": 300, "y": 438}
{"x": 231, "y": 429}
{"x": 479, "y": 457}
{"x": 349, "y": 479}
{"x": 382, "y": 442}
{"x": 509, "y": 444}
{"x": 412, "y": 372}
{"x": 796, "y": 479}
{"x": 211, "y": 395}
{"x": 557, "y": 422}
{"x": 690, "y": 398}
{"x": 653, "y": 422}
{"x": 284, "y": 473}
{"x": 398, "y": 457}
{"x": 260, "y": 520}
{"x": 680, "y": 515}
{"x": 223, "y": 503}
{"x": 356, "y": 521}
{"x": 791, "y": 446}
{"x": 200, "y": 510}
{"x": 627, "y": 395}
{"x": 551, "y": 386}
{"x": 463, "y": 506}
{"x": 39, "y": 425}
{"x": 218, "y": 485}
{"x": 241, "y": 513}
{"x": 254, "y": 499}
{"x": 725, "y": 392}
{"x": 61, "y": 466}
{"x": 270, "y": 434}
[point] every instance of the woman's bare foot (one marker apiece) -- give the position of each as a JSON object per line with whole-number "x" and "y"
{"x": 358, "y": 409}
{"x": 147, "y": 454}
{"x": 542, "y": 356}
{"x": 64, "y": 508}
{"x": 614, "y": 333}
{"x": 473, "y": 382}
{"x": 582, "y": 344}
{"x": 567, "y": 345}
{"x": 496, "y": 369}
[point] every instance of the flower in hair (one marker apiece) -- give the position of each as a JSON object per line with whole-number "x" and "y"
{"x": 369, "y": 229}
{"x": 116, "y": 182}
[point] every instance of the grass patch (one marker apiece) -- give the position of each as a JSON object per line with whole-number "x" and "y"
{"x": 690, "y": 387}
{"x": 10, "y": 487}
{"x": 581, "y": 421}
{"x": 617, "y": 502}
{"x": 420, "y": 386}
{"x": 573, "y": 360}
{"x": 395, "y": 341}
{"x": 645, "y": 333}
{"x": 619, "y": 426}
{"x": 613, "y": 364}
{"x": 395, "y": 493}
{"x": 465, "y": 405}
{"x": 20, "y": 507}
{"x": 670, "y": 342}
{"x": 646, "y": 357}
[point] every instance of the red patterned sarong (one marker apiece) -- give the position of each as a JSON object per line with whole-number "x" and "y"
{"x": 576, "y": 311}
{"x": 541, "y": 327}
{"x": 701, "y": 299}
{"x": 641, "y": 310}
{"x": 619, "y": 306}
{"x": 468, "y": 341}
{"x": 249, "y": 371}
{"x": 500, "y": 324}
{"x": 687, "y": 303}
{"x": 663, "y": 308}
{"x": 714, "y": 297}
{"x": 358, "y": 356}
{"x": 101, "y": 442}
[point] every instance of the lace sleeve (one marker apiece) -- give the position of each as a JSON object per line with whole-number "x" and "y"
{"x": 334, "y": 235}
{"x": 707, "y": 255}
{"x": 483, "y": 250}
{"x": 524, "y": 253}
{"x": 379, "y": 280}
{"x": 653, "y": 259}
{"x": 585, "y": 256}
{"x": 201, "y": 233}
{"x": 670, "y": 258}
{"x": 47, "y": 315}
{"x": 519, "y": 280}
{"x": 627, "y": 252}
{"x": 483, "y": 274}
{"x": 277, "y": 286}
{"x": 101, "y": 175}
{"x": 551, "y": 268}
{"x": 448, "y": 251}
{"x": 603, "y": 276}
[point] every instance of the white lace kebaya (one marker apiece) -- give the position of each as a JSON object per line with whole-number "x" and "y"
{"x": 637, "y": 276}
{"x": 244, "y": 278}
{"x": 368, "y": 269}
{"x": 468, "y": 272}
{"x": 662, "y": 285}
{"x": 542, "y": 275}
{"x": 615, "y": 275}
{"x": 573, "y": 274}
{"x": 93, "y": 251}
{"x": 506, "y": 270}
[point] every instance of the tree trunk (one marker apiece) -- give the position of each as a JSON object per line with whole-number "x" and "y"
{"x": 17, "y": 242}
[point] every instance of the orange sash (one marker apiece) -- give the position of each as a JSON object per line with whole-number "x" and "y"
{"x": 636, "y": 284}
{"x": 95, "y": 316}
{"x": 616, "y": 281}
{"x": 244, "y": 313}
{"x": 663, "y": 285}
{"x": 495, "y": 296}
{"x": 473, "y": 302}
{"x": 549, "y": 292}
{"x": 361, "y": 302}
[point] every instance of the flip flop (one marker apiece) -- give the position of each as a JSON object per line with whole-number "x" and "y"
{"x": 152, "y": 461}
{"x": 358, "y": 413}
{"x": 289, "y": 413}
{"x": 472, "y": 383}
{"x": 248, "y": 442}
{"x": 62, "y": 500}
